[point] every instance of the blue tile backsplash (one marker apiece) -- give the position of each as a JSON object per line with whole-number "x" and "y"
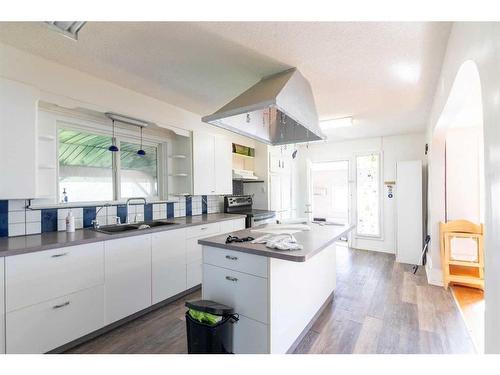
{"x": 89, "y": 214}
{"x": 170, "y": 210}
{"x": 4, "y": 218}
{"x": 49, "y": 220}
{"x": 121, "y": 212}
{"x": 148, "y": 212}
{"x": 27, "y": 221}
{"x": 189, "y": 206}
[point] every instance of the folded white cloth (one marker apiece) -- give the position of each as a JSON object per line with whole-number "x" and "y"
{"x": 279, "y": 242}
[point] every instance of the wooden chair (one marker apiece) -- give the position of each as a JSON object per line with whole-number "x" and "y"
{"x": 462, "y": 271}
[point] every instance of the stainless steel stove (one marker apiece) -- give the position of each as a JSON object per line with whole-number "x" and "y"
{"x": 242, "y": 204}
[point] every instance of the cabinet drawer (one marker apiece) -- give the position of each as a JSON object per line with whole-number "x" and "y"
{"x": 247, "y": 294}
{"x": 193, "y": 274}
{"x": 232, "y": 225}
{"x": 48, "y": 325}
{"x": 41, "y": 276}
{"x": 235, "y": 260}
{"x": 202, "y": 230}
{"x": 250, "y": 337}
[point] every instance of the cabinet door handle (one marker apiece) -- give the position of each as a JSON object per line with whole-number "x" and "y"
{"x": 231, "y": 257}
{"x": 229, "y": 278}
{"x": 59, "y": 255}
{"x": 61, "y": 305}
{"x": 204, "y": 228}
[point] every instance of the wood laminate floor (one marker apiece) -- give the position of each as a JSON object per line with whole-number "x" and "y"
{"x": 379, "y": 307}
{"x": 471, "y": 302}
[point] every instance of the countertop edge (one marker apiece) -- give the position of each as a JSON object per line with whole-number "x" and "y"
{"x": 102, "y": 237}
{"x": 283, "y": 255}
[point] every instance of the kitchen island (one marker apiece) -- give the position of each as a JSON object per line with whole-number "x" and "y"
{"x": 278, "y": 294}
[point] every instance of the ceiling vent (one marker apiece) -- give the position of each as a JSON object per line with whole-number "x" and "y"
{"x": 69, "y": 29}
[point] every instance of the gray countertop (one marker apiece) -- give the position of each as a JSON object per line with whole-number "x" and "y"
{"x": 313, "y": 241}
{"x": 53, "y": 240}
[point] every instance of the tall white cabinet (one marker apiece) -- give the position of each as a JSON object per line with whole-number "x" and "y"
{"x": 212, "y": 164}
{"x": 409, "y": 237}
{"x": 280, "y": 182}
{"x": 18, "y": 140}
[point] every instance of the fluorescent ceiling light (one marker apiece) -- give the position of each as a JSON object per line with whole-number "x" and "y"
{"x": 336, "y": 123}
{"x": 69, "y": 29}
{"x": 407, "y": 72}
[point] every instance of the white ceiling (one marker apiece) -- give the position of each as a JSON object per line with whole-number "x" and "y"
{"x": 382, "y": 74}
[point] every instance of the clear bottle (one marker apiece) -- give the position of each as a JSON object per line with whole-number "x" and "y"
{"x": 70, "y": 222}
{"x": 64, "y": 196}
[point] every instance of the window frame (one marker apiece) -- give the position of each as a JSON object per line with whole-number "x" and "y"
{"x": 121, "y": 134}
{"x": 357, "y": 235}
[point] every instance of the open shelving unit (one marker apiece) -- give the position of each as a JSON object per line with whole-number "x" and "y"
{"x": 180, "y": 171}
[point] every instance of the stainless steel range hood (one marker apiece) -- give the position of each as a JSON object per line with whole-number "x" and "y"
{"x": 277, "y": 110}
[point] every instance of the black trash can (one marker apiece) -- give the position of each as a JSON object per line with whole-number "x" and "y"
{"x": 210, "y": 336}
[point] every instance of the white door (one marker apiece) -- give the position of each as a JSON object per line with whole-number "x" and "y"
{"x": 223, "y": 166}
{"x": 409, "y": 211}
{"x": 286, "y": 192}
{"x": 168, "y": 253}
{"x": 274, "y": 162}
{"x": 275, "y": 192}
{"x": 203, "y": 163}
{"x": 128, "y": 276}
{"x": 330, "y": 190}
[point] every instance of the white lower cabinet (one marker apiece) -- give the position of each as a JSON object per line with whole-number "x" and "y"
{"x": 128, "y": 276}
{"x": 48, "y": 325}
{"x": 55, "y": 296}
{"x": 193, "y": 274}
{"x": 247, "y": 294}
{"x": 36, "y": 277}
{"x": 250, "y": 337}
{"x": 168, "y": 253}
{"x": 2, "y": 307}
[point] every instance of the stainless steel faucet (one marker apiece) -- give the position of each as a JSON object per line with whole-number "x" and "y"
{"x": 128, "y": 206}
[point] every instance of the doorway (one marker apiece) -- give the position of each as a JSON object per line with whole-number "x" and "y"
{"x": 330, "y": 195}
{"x": 456, "y": 189}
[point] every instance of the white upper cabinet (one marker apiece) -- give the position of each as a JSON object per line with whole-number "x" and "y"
{"x": 18, "y": 140}
{"x": 212, "y": 164}
{"x": 223, "y": 166}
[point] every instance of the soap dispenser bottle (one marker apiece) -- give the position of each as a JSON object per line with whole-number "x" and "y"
{"x": 70, "y": 222}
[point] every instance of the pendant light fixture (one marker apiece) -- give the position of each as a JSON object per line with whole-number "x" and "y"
{"x": 129, "y": 121}
{"x": 141, "y": 152}
{"x": 113, "y": 147}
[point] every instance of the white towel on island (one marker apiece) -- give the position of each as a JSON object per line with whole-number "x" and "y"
{"x": 279, "y": 242}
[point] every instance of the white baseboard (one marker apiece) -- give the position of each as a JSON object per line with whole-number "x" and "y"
{"x": 434, "y": 276}
{"x": 376, "y": 250}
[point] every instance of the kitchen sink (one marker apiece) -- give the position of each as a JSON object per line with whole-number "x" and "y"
{"x": 120, "y": 228}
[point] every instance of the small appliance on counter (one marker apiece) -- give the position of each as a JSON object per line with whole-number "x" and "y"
{"x": 242, "y": 204}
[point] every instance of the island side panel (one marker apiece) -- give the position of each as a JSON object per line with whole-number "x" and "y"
{"x": 297, "y": 292}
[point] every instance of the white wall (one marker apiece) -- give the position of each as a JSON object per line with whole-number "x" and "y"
{"x": 463, "y": 195}
{"x": 479, "y": 42}
{"x": 71, "y": 88}
{"x": 392, "y": 148}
